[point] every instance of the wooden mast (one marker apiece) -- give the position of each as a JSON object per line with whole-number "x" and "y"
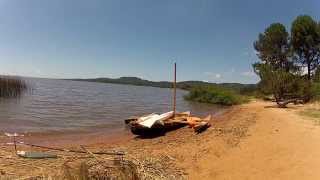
{"x": 15, "y": 143}
{"x": 175, "y": 89}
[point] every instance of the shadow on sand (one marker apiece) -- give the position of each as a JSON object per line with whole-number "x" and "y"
{"x": 271, "y": 106}
{"x": 154, "y": 133}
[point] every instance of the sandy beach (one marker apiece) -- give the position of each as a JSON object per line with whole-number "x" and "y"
{"x": 250, "y": 141}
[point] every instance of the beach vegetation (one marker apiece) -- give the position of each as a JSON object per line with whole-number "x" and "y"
{"x": 313, "y": 113}
{"x": 285, "y": 87}
{"x": 310, "y": 112}
{"x": 215, "y": 95}
{"x": 11, "y": 86}
{"x": 315, "y": 91}
{"x": 317, "y": 76}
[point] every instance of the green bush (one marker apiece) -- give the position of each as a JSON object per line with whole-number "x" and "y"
{"x": 281, "y": 84}
{"x": 215, "y": 95}
{"x": 317, "y": 75}
{"x": 315, "y": 91}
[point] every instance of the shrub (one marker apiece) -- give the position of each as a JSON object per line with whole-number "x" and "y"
{"x": 315, "y": 91}
{"x": 317, "y": 75}
{"x": 285, "y": 86}
{"x": 214, "y": 95}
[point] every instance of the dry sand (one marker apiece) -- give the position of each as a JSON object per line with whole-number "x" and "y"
{"x": 251, "y": 141}
{"x": 281, "y": 145}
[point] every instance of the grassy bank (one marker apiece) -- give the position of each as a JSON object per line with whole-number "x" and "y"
{"x": 11, "y": 86}
{"x": 313, "y": 113}
{"x": 215, "y": 95}
{"x": 315, "y": 91}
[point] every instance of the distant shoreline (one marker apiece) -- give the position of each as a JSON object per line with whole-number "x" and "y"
{"x": 185, "y": 85}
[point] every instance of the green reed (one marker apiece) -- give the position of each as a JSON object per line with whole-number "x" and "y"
{"x": 11, "y": 86}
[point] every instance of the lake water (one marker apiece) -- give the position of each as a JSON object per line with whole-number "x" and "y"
{"x": 61, "y": 105}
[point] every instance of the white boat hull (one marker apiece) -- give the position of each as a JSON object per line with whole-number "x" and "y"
{"x": 150, "y": 120}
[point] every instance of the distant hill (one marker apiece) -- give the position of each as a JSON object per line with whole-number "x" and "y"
{"x": 186, "y": 85}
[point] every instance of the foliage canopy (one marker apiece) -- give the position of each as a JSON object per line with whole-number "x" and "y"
{"x": 215, "y": 95}
{"x": 273, "y": 47}
{"x": 305, "y": 40}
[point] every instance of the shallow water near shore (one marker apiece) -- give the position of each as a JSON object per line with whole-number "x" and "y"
{"x": 67, "y": 106}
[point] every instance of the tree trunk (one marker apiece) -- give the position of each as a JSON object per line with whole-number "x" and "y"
{"x": 309, "y": 71}
{"x": 283, "y": 104}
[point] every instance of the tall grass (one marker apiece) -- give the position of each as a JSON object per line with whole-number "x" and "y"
{"x": 11, "y": 86}
{"x": 215, "y": 95}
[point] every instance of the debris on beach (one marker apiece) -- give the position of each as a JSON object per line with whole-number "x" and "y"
{"x": 35, "y": 155}
{"x": 86, "y": 163}
{"x": 27, "y": 154}
{"x": 44, "y": 155}
{"x": 119, "y": 167}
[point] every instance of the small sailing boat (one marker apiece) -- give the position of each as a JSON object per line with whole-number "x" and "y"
{"x": 150, "y": 124}
{"x": 159, "y": 124}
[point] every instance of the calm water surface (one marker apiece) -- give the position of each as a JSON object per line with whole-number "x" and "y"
{"x": 60, "y": 105}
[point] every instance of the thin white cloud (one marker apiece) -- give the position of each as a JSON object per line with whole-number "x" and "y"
{"x": 212, "y": 75}
{"x": 245, "y": 53}
{"x": 208, "y": 73}
{"x": 232, "y": 70}
{"x": 248, "y": 74}
{"x": 250, "y": 53}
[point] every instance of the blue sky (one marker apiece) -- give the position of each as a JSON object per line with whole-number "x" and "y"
{"x": 210, "y": 40}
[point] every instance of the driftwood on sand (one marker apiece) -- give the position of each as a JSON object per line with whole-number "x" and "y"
{"x": 284, "y": 103}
